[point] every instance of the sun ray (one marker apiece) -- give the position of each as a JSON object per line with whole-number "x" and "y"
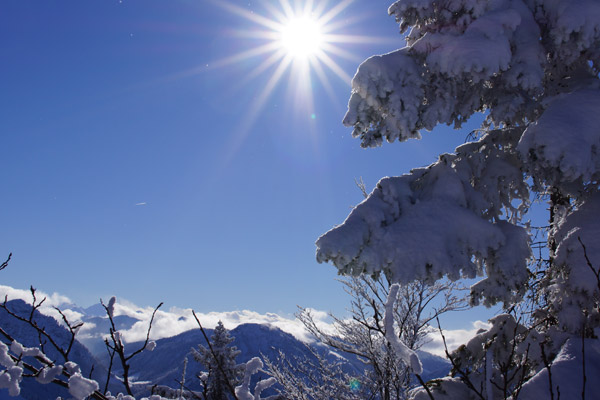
{"x": 320, "y": 8}
{"x": 263, "y": 66}
{"x": 287, "y": 9}
{"x": 333, "y": 25}
{"x": 302, "y": 94}
{"x": 338, "y": 51}
{"x": 277, "y": 13}
{"x": 259, "y": 19}
{"x": 269, "y": 87}
{"x": 257, "y": 71}
{"x": 332, "y": 13}
{"x": 308, "y": 7}
{"x": 250, "y": 118}
{"x": 297, "y": 39}
{"x": 334, "y": 67}
{"x": 320, "y": 72}
{"x": 254, "y": 34}
{"x": 250, "y": 53}
{"x": 355, "y": 39}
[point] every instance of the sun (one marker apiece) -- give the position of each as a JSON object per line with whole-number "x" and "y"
{"x": 301, "y": 42}
{"x": 301, "y": 37}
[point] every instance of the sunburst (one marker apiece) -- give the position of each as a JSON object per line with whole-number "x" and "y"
{"x": 299, "y": 40}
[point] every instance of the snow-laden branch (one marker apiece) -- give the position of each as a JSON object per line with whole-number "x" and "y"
{"x": 448, "y": 219}
{"x": 408, "y": 356}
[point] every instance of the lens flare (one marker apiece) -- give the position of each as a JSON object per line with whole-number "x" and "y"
{"x": 354, "y": 385}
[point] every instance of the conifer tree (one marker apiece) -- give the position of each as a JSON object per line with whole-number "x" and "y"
{"x": 532, "y": 68}
{"x": 221, "y": 370}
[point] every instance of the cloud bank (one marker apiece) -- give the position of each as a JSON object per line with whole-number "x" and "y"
{"x": 173, "y": 321}
{"x": 178, "y": 320}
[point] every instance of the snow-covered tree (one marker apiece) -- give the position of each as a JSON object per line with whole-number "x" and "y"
{"x": 532, "y": 68}
{"x": 222, "y": 373}
{"x": 316, "y": 378}
{"x": 363, "y": 333}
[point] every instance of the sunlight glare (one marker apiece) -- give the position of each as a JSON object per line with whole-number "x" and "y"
{"x": 301, "y": 37}
{"x": 295, "y": 41}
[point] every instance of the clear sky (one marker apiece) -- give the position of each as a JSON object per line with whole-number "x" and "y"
{"x": 167, "y": 151}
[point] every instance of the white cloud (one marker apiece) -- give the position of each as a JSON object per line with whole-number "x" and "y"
{"x": 47, "y": 307}
{"x": 87, "y": 331}
{"x": 171, "y": 322}
{"x": 177, "y": 320}
{"x": 454, "y": 338}
{"x": 167, "y": 323}
{"x": 72, "y": 316}
{"x": 53, "y": 299}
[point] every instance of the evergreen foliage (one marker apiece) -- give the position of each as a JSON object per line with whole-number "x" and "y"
{"x": 219, "y": 364}
{"x": 532, "y": 68}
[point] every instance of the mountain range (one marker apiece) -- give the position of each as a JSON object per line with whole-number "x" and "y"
{"x": 164, "y": 365}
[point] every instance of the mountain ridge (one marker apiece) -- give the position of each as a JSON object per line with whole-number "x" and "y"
{"x": 164, "y": 364}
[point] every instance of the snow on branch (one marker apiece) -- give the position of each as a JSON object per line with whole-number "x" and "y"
{"x": 443, "y": 220}
{"x": 562, "y": 147}
{"x": 242, "y": 391}
{"x": 408, "y": 356}
{"x": 579, "y": 247}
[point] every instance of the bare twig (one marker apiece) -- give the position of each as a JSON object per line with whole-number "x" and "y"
{"x": 548, "y": 366}
{"x": 190, "y": 391}
{"x": 5, "y": 263}
{"x": 73, "y": 329}
{"x": 41, "y": 331}
{"x": 425, "y": 386}
{"x": 589, "y": 263}
{"x": 361, "y": 186}
{"x": 111, "y": 356}
{"x": 464, "y": 376}
{"x": 118, "y": 347}
{"x": 36, "y": 371}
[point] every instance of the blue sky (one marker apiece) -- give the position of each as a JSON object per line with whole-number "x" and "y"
{"x": 142, "y": 159}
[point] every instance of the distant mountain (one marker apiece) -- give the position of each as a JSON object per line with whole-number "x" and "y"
{"x": 96, "y": 327}
{"x": 433, "y": 366}
{"x": 164, "y": 365}
{"x": 95, "y": 310}
{"x": 28, "y": 336}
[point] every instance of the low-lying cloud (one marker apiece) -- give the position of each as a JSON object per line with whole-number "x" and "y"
{"x": 173, "y": 321}
{"x": 178, "y": 320}
{"x": 47, "y": 307}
